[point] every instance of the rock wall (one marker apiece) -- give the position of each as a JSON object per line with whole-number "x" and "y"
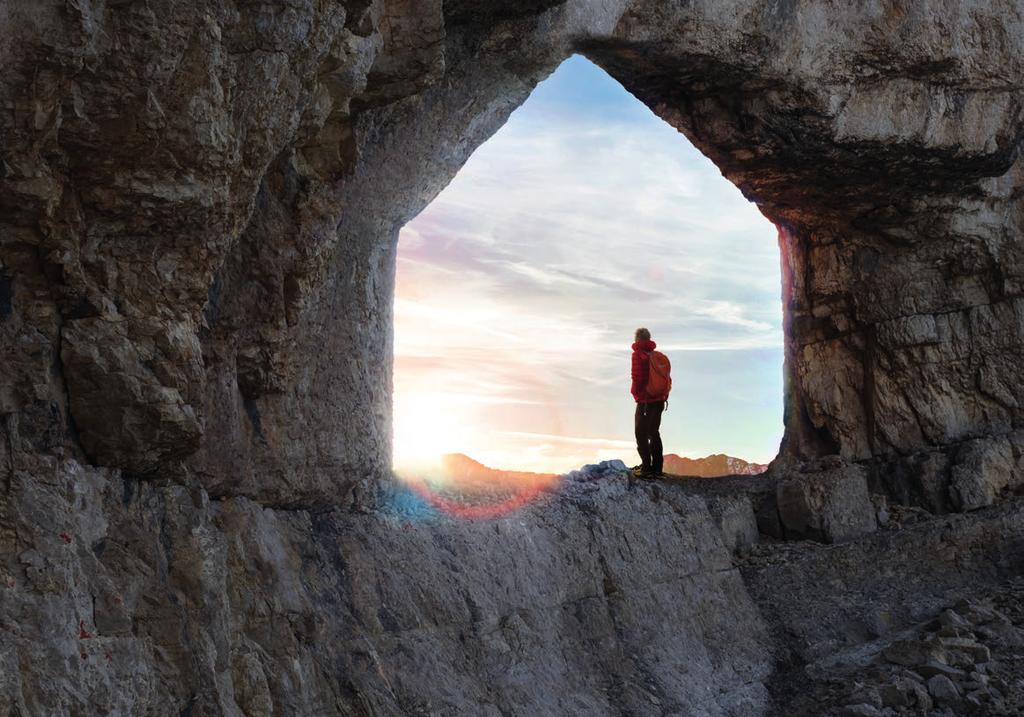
{"x": 884, "y": 141}
{"x": 199, "y": 204}
{"x": 142, "y": 598}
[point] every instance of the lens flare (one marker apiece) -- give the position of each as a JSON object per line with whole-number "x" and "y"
{"x": 460, "y": 487}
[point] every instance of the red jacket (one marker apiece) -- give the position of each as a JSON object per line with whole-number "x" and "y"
{"x": 641, "y": 371}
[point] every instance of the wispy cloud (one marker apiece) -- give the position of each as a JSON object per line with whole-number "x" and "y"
{"x": 580, "y": 219}
{"x": 729, "y": 313}
{"x": 572, "y": 440}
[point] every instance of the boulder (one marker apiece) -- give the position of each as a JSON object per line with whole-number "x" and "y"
{"x": 736, "y": 519}
{"x": 931, "y": 668}
{"x": 897, "y": 694}
{"x": 943, "y": 689}
{"x": 953, "y": 619}
{"x": 922, "y": 699}
{"x": 977, "y": 652}
{"x": 984, "y": 468}
{"x": 910, "y": 653}
{"x": 831, "y": 505}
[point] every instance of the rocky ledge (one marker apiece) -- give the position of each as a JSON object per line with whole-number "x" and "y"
{"x": 605, "y": 595}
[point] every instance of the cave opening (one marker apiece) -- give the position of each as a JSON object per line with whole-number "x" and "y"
{"x": 519, "y": 286}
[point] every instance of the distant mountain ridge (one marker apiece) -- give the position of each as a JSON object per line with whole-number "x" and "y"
{"x": 471, "y": 474}
{"x": 466, "y": 488}
{"x": 714, "y": 466}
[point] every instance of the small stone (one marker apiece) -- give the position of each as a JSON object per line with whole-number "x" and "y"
{"x": 964, "y": 643}
{"x": 942, "y": 689}
{"x": 896, "y": 695}
{"x": 977, "y": 697}
{"x": 861, "y": 710}
{"x": 921, "y": 696}
{"x": 909, "y": 653}
{"x": 32, "y": 558}
{"x": 975, "y": 650}
{"x": 952, "y": 619}
{"x": 977, "y": 613}
{"x": 958, "y": 658}
{"x": 911, "y": 675}
{"x": 934, "y": 667}
{"x": 866, "y": 696}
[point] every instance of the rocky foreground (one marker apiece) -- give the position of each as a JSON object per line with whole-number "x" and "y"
{"x": 969, "y": 660}
{"x": 603, "y": 596}
{"x": 922, "y": 618}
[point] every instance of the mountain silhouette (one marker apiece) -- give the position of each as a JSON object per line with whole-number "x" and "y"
{"x": 462, "y": 473}
{"x": 465, "y": 474}
{"x": 713, "y": 466}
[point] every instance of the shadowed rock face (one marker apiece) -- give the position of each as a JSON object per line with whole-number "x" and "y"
{"x": 199, "y": 205}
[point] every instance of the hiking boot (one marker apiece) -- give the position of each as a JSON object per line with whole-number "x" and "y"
{"x": 641, "y": 472}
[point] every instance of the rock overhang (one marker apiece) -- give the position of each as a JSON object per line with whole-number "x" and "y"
{"x": 198, "y": 281}
{"x": 868, "y": 137}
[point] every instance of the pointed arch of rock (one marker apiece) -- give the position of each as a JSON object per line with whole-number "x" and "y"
{"x": 874, "y": 173}
{"x": 254, "y": 350}
{"x": 198, "y": 210}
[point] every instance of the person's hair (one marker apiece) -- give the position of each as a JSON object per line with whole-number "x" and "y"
{"x": 643, "y": 334}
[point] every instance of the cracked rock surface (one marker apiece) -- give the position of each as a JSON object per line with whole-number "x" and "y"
{"x": 199, "y": 205}
{"x": 145, "y": 598}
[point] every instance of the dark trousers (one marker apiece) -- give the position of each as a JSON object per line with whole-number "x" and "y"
{"x": 648, "y": 439}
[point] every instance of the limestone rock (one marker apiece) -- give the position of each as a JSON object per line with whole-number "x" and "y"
{"x": 900, "y": 694}
{"x": 241, "y": 609}
{"x": 933, "y": 667}
{"x": 831, "y": 505}
{"x": 136, "y": 401}
{"x": 199, "y": 209}
{"x": 910, "y": 653}
{"x": 952, "y": 619}
{"x": 943, "y": 690}
{"x": 976, "y": 651}
{"x": 984, "y": 469}
{"x": 230, "y": 182}
{"x": 736, "y": 520}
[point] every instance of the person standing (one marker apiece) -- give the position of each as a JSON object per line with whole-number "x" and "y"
{"x": 650, "y": 389}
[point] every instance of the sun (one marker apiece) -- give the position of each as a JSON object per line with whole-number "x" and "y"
{"x": 424, "y": 430}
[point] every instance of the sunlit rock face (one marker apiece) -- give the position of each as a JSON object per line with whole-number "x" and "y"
{"x": 199, "y": 204}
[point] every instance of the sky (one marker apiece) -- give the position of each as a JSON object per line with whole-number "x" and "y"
{"x": 520, "y": 286}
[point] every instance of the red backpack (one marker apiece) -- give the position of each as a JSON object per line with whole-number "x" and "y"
{"x": 659, "y": 378}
